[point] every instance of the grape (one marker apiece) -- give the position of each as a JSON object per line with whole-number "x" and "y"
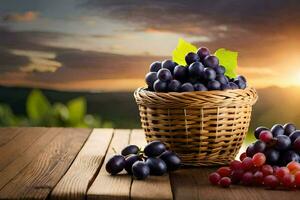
{"x": 191, "y": 57}
{"x": 258, "y": 178}
{"x": 224, "y": 171}
{"x": 150, "y": 78}
{"x": 140, "y": 170}
{"x": 241, "y": 84}
{"x": 235, "y": 165}
{"x": 289, "y": 128}
{"x": 293, "y": 167}
{"x": 222, "y": 79}
{"x": 288, "y": 181}
{"x": 225, "y": 182}
{"x": 171, "y": 159}
{"x": 281, "y": 172}
{"x": 196, "y": 70}
{"x": 157, "y": 166}
{"x": 272, "y": 156}
{"x": 242, "y": 78}
{"x": 225, "y": 87}
{"x": 247, "y": 163}
{"x": 155, "y": 66}
{"x": 237, "y": 175}
{"x": 283, "y": 142}
{"x": 187, "y": 87}
{"x": 259, "y": 146}
{"x": 258, "y": 130}
{"x": 168, "y": 64}
{"x": 130, "y": 149}
{"x": 220, "y": 69}
{"x": 199, "y": 87}
{"x": 164, "y": 75}
{"x": 211, "y": 61}
{"x": 271, "y": 181}
{"x": 180, "y": 73}
{"x": 243, "y": 156}
{"x": 247, "y": 178}
{"x": 209, "y": 74}
{"x": 296, "y": 145}
{"x": 214, "y": 178}
{"x": 265, "y": 136}
{"x": 267, "y": 170}
{"x": 129, "y": 161}
{"x": 233, "y": 86}
{"x": 214, "y": 85}
{"x": 289, "y": 156}
{"x": 203, "y": 52}
{"x": 160, "y": 86}
{"x": 115, "y": 164}
{"x": 277, "y": 129}
{"x": 174, "y": 86}
{"x": 295, "y": 135}
{"x": 250, "y": 151}
{"x": 154, "y": 148}
{"x": 297, "y": 179}
{"x": 258, "y": 159}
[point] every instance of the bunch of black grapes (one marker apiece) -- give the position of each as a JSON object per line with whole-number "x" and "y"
{"x": 202, "y": 73}
{"x": 280, "y": 144}
{"x": 154, "y": 160}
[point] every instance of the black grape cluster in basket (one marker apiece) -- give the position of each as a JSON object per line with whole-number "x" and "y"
{"x": 202, "y": 73}
{"x": 154, "y": 160}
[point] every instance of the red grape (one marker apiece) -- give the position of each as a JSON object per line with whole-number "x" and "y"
{"x": 297, "y": 179}
{"x": 258, "y": 178}
{"x": 288, "y": 181}
{"x": 235, "y": 165}
{"x": 243, "y": 156}
{"x": 214, "y": 178}
{"x": 247, "y": 163}
{"x": 271, "y": 181}
{"x": 267, "y": 170}
{"x": 236, "y": 176}
{"x": 247, "y": 178}
{"x": 265, "y": 136}
{"x": 258, "y": 159}
{"x": 281, "y": 172}
{"x": 293, "y": 167}
{"x": 225, "y": 182}
{"x": 224, "y": 171}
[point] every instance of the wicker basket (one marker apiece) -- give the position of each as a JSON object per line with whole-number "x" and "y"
{"x": 203, "y": 128}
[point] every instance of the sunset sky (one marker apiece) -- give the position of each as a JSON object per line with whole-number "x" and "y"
{"x": 109, "y": 44}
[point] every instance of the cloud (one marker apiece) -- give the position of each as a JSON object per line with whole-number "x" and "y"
{"x": 28, "y": 16}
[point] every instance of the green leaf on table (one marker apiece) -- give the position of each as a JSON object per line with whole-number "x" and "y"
{"x": 77, "y": 110}
{"x": 183, "y": 48}
{"x": 37, "y": 106}
{"x": 229, "y": 60}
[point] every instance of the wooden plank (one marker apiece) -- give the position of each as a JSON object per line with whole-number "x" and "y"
{"x": 85, "y": 167}
{"x": 43, "y": 173}
{"x": 10, "y": 171}
{"x": 154, "y": 187}
{"x": 193, "y": 184}
{"x": 15, "y": 147}
{"x": 106, "y": 186}
{"x": 7, "y": 134}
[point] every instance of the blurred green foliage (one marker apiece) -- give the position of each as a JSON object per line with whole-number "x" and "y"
{"x": 40, "y": 112}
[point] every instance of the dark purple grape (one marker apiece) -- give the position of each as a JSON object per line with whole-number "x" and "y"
{"x": 233, "y": 86}
{"x": 115, "y": 164}
{"x": 211, "y": 61}
{"x": 296, "y": 145}
{"x": 171, "y": 159}
{"x": 180, "y": 73}
{"x": 174, "y": 86}
{"x": 222, "y": 79}
{"x": 129, "y": 161}
{"x": 196, "y": 70}
{"x": 241, "y": 84}
{"x": 193, "y": 80}
{"x": 295, "y": 135}
{"x": 130, "y": 149}
{"x": 277, "y": 129}
{"x": 214, "y": 85}
{"x": 289, "y": 156}
{"x": 242, "y": 78}
{"x": 150, "y": 78}
{"x": 154, "y": 148}
{"x": 164, "y": 75}
{"x": 191, "y": 57}
{"x": 258, "y": 130}
{"x": 225, "y": 87}
{"x": 157, "y": 166}
{"x": 209, "y": 74}
{"x": 250, "y": 151}
{"x": 283, "y": 142}
{"x": 168, "y": 64}
{"x": 203, "y": 52}
{"x": 199, "y": 87}
{"x": 155, "y": 66}
{"x": 220, "y": 69}
{"x": 259, "y": 146}
{"x": 140, "y": 170}
{"x": 272, "y": 156}
{"x": 160, "y": 86}
{"x": 289, "y": 128}
{"x": 187, "y": 87}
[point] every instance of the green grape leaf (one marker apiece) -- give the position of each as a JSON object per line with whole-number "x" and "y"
{"x": 77, "y": 110}
{"x": 183, "y": 48}
{"x": 229, "y": 60}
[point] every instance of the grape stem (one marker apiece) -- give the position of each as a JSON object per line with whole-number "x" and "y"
{"x": 114, "y": 150}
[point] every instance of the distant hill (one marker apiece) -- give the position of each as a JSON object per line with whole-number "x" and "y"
{"x": 275, "y": 105}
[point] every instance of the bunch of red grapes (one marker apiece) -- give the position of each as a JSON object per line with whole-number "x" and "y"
{"x": 272, "y": 161}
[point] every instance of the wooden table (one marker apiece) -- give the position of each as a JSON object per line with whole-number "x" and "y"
{"x": 67, "y": 163}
